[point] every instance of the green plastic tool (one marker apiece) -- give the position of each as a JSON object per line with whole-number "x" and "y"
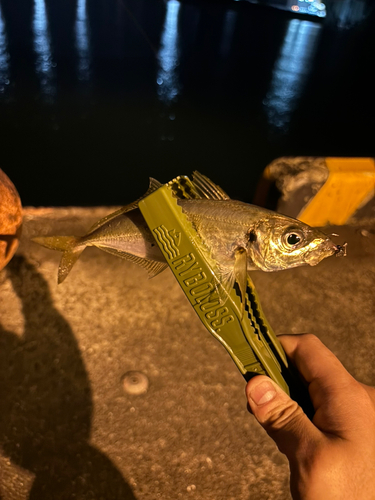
{"x": 246, "y": 335}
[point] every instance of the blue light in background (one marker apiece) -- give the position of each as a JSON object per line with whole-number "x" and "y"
{"x": 4, "y": 65}
{"x": 291, "y": 71}
{"x": 228, "y": 31}
{"x": 82, "y": 41}
{"x": 42, "y": 47}
{"x": 168, "y": 55}
{"x": 349, "y": 12}
{"x": 311, "y": 7}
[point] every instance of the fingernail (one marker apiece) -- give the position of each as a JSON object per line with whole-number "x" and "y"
{"x": 262, "y": 393}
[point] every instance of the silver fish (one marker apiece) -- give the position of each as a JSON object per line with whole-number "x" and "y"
{"x": 239, "y": 237}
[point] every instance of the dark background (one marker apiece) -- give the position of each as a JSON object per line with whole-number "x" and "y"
{"x": 97, "y": 96}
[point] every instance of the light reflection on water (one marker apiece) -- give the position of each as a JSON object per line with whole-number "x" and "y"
{"x": 168, "y": 55}
{"x": 171, "y": 83}
{"x": 291, "y": 71}
{"x": 42, "y": 48}
{"x": 348, "y": 13}
{"x": 228, "y": 31}
{"x": 4, "y": 57}
{"x": 82, "y": 41}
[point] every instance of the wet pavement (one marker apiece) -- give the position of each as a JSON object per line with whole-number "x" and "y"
{"x": 111, "y": 388}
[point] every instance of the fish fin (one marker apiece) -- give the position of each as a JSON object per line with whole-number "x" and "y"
{"x": 240, "y": 274}
{"x": 207, "y": 189}
{"x": 71, "y": 247}
{"x": 154, "y": 185}
{"x": 225, "y": 282}
{"x": 226, "y": 278}
{"x": 60, "y": 243}
{"x": 68, "y": 260}
{"x": 153, "y": 267}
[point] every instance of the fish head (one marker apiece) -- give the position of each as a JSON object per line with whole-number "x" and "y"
{"x": 278, "y": 242}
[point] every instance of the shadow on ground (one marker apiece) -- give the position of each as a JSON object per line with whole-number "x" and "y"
{"x": 46, "y": 401}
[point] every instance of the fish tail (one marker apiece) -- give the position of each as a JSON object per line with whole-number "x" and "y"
{"x": 70, "y": 245}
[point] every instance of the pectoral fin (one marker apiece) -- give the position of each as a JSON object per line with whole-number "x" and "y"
{"x": 240, "y": 273}
{"x": 226, "y": 279}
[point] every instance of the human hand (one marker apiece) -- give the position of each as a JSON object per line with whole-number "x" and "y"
{"x": 332, "y": 457}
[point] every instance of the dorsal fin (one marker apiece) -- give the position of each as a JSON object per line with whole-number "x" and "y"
{"x": 154, "y": 185}
{"x": 153, "y": 267}
{"x": 207, "y": 189}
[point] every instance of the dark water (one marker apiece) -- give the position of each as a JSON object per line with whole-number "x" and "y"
{"x": 98, "y": 95}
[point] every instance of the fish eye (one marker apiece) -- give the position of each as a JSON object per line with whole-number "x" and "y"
{"x": 293, "y": 239}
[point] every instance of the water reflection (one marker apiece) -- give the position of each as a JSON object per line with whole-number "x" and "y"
{"x": 291, "y": 71}
{"x": 311, "y": 7}
{"x": 167, "y": 77}
{"x": 42, "y": 47}
{"x": 348, "y": 13}
{"x": 228, "y": 30}
{"x": 4, "y": 66}
{"x": 82, "y": 41}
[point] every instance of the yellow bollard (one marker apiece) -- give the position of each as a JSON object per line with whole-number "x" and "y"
{"x": 350, "y": 184}
{"x": 322, "y": 191}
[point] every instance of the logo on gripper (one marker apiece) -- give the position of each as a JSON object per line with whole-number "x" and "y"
{"x": 170, "y": 240}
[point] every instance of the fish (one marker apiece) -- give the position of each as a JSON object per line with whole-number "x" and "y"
{"x": 239, "y": 237}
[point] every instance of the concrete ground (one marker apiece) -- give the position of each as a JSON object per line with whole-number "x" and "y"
{"x": 68, "y": 429}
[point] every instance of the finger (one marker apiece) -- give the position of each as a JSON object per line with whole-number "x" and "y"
{"x": 370, "y": 391}
{"x": 335, "y": 394}
{"x": 313, "y": 359}
{"x": 282, "y": 418}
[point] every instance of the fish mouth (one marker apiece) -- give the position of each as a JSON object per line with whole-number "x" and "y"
{"x": 340, "y": 250}
{"x": 326, "y": 249}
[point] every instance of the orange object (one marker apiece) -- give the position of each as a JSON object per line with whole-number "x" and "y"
{"x": 10, "y": 219}
{"x": 350, "y": 184}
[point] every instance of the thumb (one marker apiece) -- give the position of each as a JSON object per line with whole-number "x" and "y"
{"x": 281, "y": 417}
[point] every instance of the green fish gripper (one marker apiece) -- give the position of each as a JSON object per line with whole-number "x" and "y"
{"x": 248, "y": 337}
